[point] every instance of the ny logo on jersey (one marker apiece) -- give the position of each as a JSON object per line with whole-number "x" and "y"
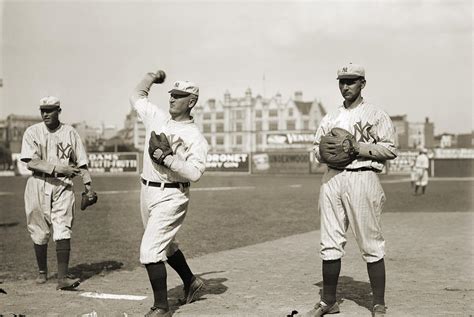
{"x": 362, "y": 133}
{"x": 177, "y": 142}
{"x": 63, "y": 152}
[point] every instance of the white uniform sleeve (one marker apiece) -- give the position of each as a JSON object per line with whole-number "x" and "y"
{"x": 194, "y": 165}
{"x": 80, "y": 152}
{"x": 29, "y": 147}
{"x": 321, "y": 131}
{"x": 383, "y": 135}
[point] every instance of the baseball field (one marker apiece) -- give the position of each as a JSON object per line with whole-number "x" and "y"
{"x": 241, "y": 224}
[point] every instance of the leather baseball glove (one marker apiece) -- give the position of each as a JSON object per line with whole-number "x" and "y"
{"x": 159, "y": 147}
{"x": 337, "y": 148}
{"x": 88, "y": 198}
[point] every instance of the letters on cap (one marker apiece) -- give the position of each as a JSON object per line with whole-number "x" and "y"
{"x": 186, "y": 87}
{"x": 351, "y": 71}
{"x": 49, "y": 102}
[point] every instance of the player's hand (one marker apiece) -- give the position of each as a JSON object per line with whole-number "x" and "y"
{"x": 159, "y": 77}
{"x": 69, "y": 171}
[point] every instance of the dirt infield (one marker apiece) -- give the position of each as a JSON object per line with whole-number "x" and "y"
{"x": 429, "y": 273}
{"x": 252, "y": 238}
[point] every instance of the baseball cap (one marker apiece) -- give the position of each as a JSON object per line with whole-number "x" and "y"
{"x": 184, "y": 87}
{"x": 350, "y": 71}
{"x": 49, "y": 102}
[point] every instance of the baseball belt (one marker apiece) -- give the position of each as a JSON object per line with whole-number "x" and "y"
{"x": 41, "y": 174}
{"x": 166, "y": 185}
{"x": 360, "y": 169}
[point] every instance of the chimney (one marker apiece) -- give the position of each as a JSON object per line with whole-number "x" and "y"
{"x": 227, "y": 97}
{"x": 298, "y": 96}
{"x": 212, "y": 103}
{"x": 248, "y": 95}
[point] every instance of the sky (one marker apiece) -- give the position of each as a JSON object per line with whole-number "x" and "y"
{"x": 91, "y": 54}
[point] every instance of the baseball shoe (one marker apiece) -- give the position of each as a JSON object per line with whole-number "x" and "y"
{"x": 379, "y": 310}
{"x": 191, "y": 293}
{"x": 158, "y": 312}
{"x": 322, "y": 308}
{"x": 42, "y": 277}
{"x": 67, "y": 284}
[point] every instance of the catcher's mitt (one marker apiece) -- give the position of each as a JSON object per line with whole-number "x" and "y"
{"x": 159, "y": 147}
{"x": 337, "y": 148}
{"x": 88, "y": 198}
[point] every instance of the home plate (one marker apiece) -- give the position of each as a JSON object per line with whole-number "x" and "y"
{"x": 111, "y": 296}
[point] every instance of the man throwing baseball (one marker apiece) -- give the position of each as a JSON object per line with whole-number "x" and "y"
{"x": 55, "y": 153}
{"x": 175, "y": 155}
{"x": 354, "y": 142}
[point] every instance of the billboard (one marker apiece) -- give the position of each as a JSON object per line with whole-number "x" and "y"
{"x": 113, "y": 162}
{"x": 228, "y": 162}
{"x": 290, "y": 139}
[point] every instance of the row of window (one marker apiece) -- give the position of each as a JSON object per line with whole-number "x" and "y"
{"x": 238, "y": 127}
{"x": 239, "y": 114}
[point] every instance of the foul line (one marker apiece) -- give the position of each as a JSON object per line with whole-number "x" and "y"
{"x": 111, "y": 296}
{"x": 199, "y": 189}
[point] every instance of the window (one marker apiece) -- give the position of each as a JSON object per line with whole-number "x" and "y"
{"x": 259, "y": 139}
{"x": 238, "y": 126}
{"x": 290, "y": 112}
{"x": 238, "y": 114}
{"x": 206, "y": 127}
{"x": 219, "y": 115}
{"x": 208, "y": 139}
{"x": 258, "y": 126}
{"x": 273, "y": 125}
{"x": 273, "y": 113}
{"x": 306, "y": 124}
{"x": 290, "y": 125}
{"x": 258, "y": 113}
{"x": 207, "y": 116}
{"x": 238, "y": 139}
{"x": 219, "y": 140}
{"x": 219, "y": 127}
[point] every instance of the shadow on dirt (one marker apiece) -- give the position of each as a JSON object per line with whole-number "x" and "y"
{"x": 85, "y": 271}
{"x": 350, "y": 289}
{"x": 214, "y": 286}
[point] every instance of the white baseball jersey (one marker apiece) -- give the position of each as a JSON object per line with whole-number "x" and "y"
{"x": 50, "y": 200}
{"x": 422, "y": 163}
{"x": 163, "y": 209}
{"x": 355, "y": 197}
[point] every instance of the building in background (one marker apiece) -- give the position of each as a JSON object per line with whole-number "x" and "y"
{"x": 465, "y": 140}
{"x": 413, "y": 135}
{"x": 94, "y": 138}
{"x": 133, "y": 133}
{"x": 255, "y": 124}
{"x": 15, "y": 126}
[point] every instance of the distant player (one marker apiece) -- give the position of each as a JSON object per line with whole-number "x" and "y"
{"x": 422, "y": 163}
{"x": 352, "y": 194}
{"x": 55, "y": 153}
{"x": 175, "y": 154}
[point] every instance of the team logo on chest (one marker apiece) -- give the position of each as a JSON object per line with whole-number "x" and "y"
{"x": 361, "y": 133}
{"x": 63, "y": 151}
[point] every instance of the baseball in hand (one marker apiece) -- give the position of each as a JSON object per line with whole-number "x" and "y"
{"x": 157, "y": 154}
{"x": 160, "y": 77}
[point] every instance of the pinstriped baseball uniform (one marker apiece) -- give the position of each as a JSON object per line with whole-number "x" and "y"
{"x": 49, "y": 201}
{"x": 355, "y": 197}
{"x": 163, "y": 209}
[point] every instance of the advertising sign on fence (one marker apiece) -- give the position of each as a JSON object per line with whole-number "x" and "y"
{"x": 228, "y": 162}
{"x": 110, "y": 162}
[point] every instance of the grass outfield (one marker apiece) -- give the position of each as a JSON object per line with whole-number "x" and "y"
{"x": 225, "y": 212}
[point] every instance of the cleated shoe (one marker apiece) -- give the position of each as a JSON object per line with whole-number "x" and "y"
{"x": 379, "y": 310}
{"x": 42, "y": 277}
{"x": 191, "y": 293}
{"x": 67, "y": 284}
{"x": 322, "y": 308}
{"x": 158, "y": 312}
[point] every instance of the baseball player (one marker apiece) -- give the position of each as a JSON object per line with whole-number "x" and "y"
{"x": 170, "y": 162}
{"x": 421, "y": 166}
{"x": 55, "y": 153}
{"x": 353, "y": 194}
